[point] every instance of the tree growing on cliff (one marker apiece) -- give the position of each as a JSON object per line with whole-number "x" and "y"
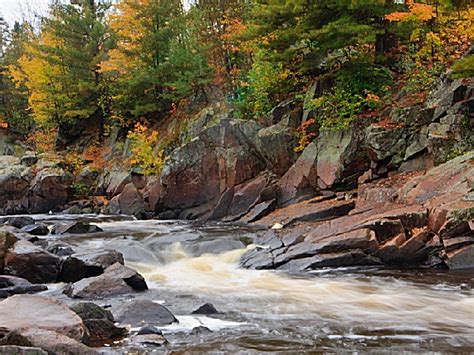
{"x": 302, "y": 39}
{"x": 157, "y": 59}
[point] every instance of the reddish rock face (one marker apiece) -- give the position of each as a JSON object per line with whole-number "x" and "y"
{"x": 301, "y": 179}
{"x": 49, "y": 190}
{"x": 413, "y": 220}
{"x": 131, "y": 201}
{"x": 340, "y": 159}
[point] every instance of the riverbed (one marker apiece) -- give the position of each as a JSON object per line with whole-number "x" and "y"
{"x": 330, "y": 310}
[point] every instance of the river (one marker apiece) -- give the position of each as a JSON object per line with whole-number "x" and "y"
{"x": 331, "y": 310}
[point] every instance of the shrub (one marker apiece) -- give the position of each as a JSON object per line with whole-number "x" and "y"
{"x": 359, "y": 87}
{"x": 43, "y": 139}
{"x": 79, "y": 189}
{"x": 144, "y": 148}
{"x": 305, "y": 135}
{"x": 464, "y": 68}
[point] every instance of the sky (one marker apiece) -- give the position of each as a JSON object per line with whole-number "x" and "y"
{"x": 15, "y": 10}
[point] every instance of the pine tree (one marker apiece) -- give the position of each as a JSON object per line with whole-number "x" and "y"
{"x": 60, "y": 68}
{"x": 157, "y": 59}
{"x": 14, "y": 97}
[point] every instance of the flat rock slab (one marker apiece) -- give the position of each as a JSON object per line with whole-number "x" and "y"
{"x": 24, "y": 311}
{"x": 308, "y": 211}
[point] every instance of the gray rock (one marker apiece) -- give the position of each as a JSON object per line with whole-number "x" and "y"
{"x": 21, "y": 350}
{"x": 31, "y": 262}
{"x": 11, "y": 285}
{"x": 138, "y": 312}
{"x": 116, "y": 280}
{"x": 27, "y": 311}
{"x": 76, "y": 227}
{"x": 207, "y": 309}
{"x": 98, "y": 321}
{"x": 18, "y": 222}
{"x": 36, "y": 229}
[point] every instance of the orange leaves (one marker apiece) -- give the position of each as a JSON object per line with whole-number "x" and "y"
{"x": 305, "y": 136}
{"x": 417, "y": 12}
{"x": 130, "y": 27}
{"x": 95, "y": 154}
{"x": 43, "y": 140}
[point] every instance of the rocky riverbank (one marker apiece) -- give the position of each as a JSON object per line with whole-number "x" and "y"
{"x": 393, "y": 192}
{"x": 32, "y": 262}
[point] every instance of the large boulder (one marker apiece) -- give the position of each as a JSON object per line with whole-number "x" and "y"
{"x": 76, "y": 227}
{"x": 340, "y": 159}
{"x": 130, "y": 201}
{"x": 116, "y": 280}
{"x": 36, "y": 229}
{"x": 302, "y": 178}
{"x": 49, "y": 190}
{"x": 78, "y": 266}
{"x": 17, "y": 221}
{"x": 14, "y": 183}
{"x": 26, "y": 311}
{"x": 31, "y": 262}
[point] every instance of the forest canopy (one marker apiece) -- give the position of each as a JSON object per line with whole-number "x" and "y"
{"x": 103, "y": 63}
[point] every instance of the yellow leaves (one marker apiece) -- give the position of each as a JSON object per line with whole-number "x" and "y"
{"x": 37, "y": 74}
{"x": 130, "y": 27}
{"x": 144, "y": 147}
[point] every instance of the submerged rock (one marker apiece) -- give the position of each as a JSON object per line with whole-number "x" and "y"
{"x": 149, "y": 329}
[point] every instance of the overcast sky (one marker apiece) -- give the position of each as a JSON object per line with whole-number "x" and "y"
{"x": 15, "y": 10}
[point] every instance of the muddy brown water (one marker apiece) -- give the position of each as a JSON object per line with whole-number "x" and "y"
{"x": 330, "y": 310}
